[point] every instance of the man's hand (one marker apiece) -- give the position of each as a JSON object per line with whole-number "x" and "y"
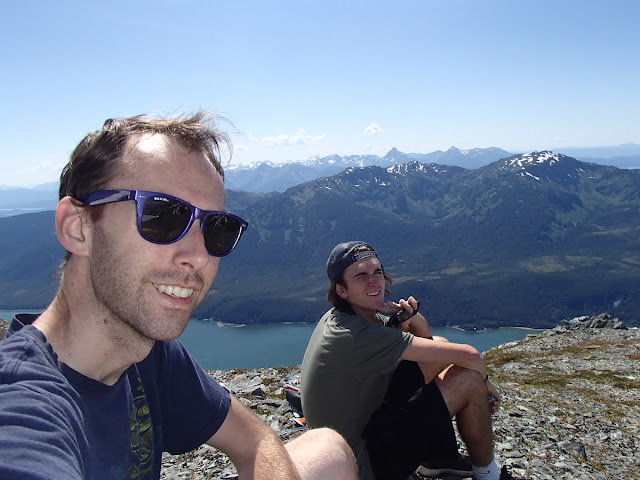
{"x": 494, "y": 396}
{"x": 417, "y": 324}
{"x": 391, "y": 308}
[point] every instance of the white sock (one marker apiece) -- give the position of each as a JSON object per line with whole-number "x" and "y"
{"x": 490, "y": 472}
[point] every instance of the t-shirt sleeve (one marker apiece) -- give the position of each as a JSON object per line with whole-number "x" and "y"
{"x": 41, "y": 428}
{"x": 193, "y": 404}
{"x": 378, "y": 348}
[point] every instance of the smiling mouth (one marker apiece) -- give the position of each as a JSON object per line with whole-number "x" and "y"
{"x": 374, "y": 294}
{"x": 174, "y": 290}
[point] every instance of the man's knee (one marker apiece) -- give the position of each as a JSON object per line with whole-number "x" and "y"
{"x": 465, "y": 379}
{"x": 461, "y": 386}
{"x": 323, "y": 450}
{"x": 328, "y": 440}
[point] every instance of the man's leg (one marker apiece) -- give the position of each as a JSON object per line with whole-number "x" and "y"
{"x": 413, "y": 426}
{"x": 322, "y": 454}
{"x": 466, "y": 396}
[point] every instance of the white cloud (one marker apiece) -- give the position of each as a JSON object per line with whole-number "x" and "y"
{"x": 373, "y": 129}
{"x": 26, "y": 174}
{"x": 300, "y": 138}
{"x": 46, "y": 169}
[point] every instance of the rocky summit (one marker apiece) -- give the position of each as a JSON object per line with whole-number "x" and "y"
{"x": 570, "y": 410}
{"x": 570, "y": 407}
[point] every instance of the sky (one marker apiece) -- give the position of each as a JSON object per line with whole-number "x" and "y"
{"x": 294, "y": 79}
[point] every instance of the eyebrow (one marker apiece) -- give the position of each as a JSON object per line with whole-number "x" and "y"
{"x": 360, "y": 274}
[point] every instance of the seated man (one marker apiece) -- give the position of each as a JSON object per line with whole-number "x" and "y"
{"x": 97, "y": 386}
{"x": 391, "y": 392}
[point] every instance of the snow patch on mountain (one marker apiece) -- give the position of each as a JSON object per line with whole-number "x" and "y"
{"x": 545, "y": 165}
{"x": 527, "y": 159}
{"x": 417, "y": 167}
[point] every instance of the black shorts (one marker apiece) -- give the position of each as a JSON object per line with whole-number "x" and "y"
{"x": 412, "y": 425}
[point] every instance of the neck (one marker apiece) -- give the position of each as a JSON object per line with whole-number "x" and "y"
{"x": 366, "y": 314}
{"x": 86, "y": 339}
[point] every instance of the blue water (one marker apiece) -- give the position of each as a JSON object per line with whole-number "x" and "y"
{"x": 8, "y": 314}
{"x": 222, "y": 347}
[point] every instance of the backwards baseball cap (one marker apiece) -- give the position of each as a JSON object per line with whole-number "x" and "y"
{"x": 341, "y": 257}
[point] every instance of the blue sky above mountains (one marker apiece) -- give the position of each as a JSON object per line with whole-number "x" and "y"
{"x": 298, "y": 79}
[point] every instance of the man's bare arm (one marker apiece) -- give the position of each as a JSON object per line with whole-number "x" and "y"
{"x": 253, "y": 447}
{"x": 422, "y": 350}
{"x": 419, "y": 326}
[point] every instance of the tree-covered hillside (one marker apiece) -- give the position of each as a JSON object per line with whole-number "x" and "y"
{"x": 528, "y": 240}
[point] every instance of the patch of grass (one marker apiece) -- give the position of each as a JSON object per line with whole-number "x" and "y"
{"x": 590, "y": 347}
{"x": 279, "y": 396}
{"x": 266, "y": 381}
{"x": 262, "y": 411}
{"x": 623, "y": 381}
{"x": 499, "y": 358}
{"x": 546, "y": 379}
{"x": 543, "y": 378}
{"x": 612, "y": 412}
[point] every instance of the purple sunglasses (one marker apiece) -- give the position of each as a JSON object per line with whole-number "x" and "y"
{"x": 165, "y": 219}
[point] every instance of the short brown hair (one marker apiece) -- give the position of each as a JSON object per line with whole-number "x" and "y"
{"x": 95, "y": 160}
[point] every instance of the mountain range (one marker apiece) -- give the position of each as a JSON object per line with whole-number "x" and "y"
{"x": 264, "y": 177}
{"x": 277, "y": 177}
{"x": 527, "y": 240}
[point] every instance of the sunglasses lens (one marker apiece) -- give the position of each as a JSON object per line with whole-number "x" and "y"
{"x": 221, "y": 233}
{"x": 164, "y": 219}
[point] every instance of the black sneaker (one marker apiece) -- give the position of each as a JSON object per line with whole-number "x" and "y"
{"x": 460, "y": 467}
{"x": 505, "y": 475}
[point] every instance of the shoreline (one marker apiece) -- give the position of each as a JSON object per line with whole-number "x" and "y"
{"x": 486, "y": 329}
{"x": 221, "y": 323}
{"x": 458, "y": 328}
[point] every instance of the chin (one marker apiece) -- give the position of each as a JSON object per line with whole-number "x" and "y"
{"x": 169, "y": 329}
{"x": 377, "y": 303}
{"x": 166, "y": 335}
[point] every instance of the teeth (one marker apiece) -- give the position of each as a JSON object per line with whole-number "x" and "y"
{"x": 374, "y": 294}
{"x": 174, "y": 290}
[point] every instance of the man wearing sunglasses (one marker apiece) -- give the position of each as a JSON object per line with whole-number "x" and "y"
{"x": 392, "y": 391}
{"x": 97, "y": 386}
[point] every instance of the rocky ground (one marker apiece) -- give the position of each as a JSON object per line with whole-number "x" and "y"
{"x": 571, "y": 405}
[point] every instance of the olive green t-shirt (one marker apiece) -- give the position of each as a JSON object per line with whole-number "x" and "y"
{"x": 345, "y": 374}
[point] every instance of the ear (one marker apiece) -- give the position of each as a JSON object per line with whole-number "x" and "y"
{"x": 341, "y": 290}
{"x": 72, "y": 221}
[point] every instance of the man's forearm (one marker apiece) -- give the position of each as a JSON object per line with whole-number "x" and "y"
{"x": 420, "y": 326}
{"x": 444, "y": 353}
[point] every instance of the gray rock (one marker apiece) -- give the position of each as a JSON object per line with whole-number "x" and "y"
{"x": 247, "y": 383}
{"x": 573, "y": 446}
{"x": 570, "y": 409}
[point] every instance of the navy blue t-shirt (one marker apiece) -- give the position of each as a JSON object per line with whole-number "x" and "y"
{"x": 55, "y": 423}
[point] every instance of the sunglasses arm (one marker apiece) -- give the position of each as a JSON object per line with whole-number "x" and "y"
{"x": 109, "y": 196}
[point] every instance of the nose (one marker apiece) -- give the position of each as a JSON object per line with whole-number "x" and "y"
{"x": 373, "y": 278}
{"x": 191, "y": 251}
